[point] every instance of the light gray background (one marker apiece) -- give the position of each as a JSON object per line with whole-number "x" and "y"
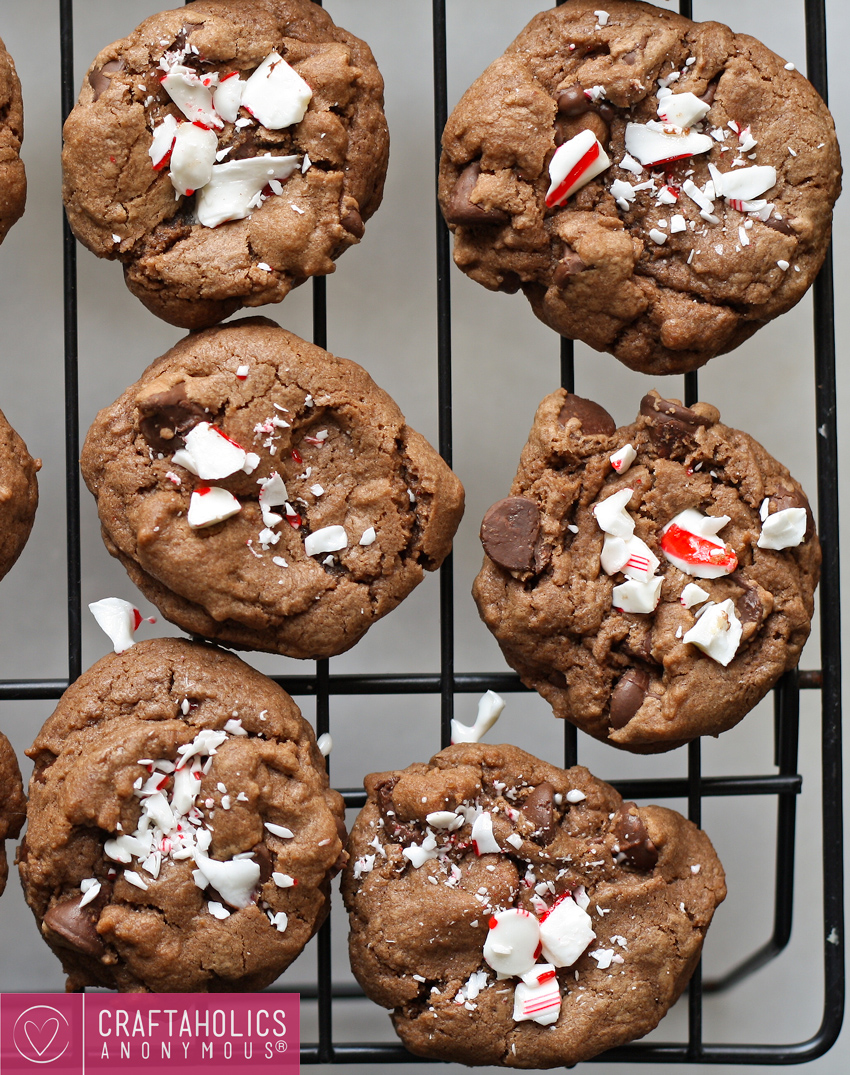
{"x": 382, "y": 313}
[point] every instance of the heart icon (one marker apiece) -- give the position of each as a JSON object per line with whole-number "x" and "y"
{"x": 41, "y": 1037}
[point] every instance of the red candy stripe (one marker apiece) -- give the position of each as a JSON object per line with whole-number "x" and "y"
{"x": 560, "y": 192}
{"x": 696, "y": 550}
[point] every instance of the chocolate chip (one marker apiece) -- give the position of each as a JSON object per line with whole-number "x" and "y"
{"x": 75, "y": 926}
{"x": 540, "y": 811}
{"x": 789, "y": 498}
{"x": 633, "y": 839}
{"x": 166, "y": 417}
{"x": 779, "y": 225}
{"x": 627, "y": 697}
{"x": 672, "y": 424}
{"x": 569, "y": 265}
{"x": 595, "y": 420}
{"x": 352, "y": 221}
{"x": 384, "y": 793}
{"x": 573, "y": 101}
{"x": 461, "y": 210}
{"x": 98, "y": 80}
{"x": 263, "y": 857}
{"x": 749, "y": 606}
{"x": 509, "y": 533}
{"x": 510, "y": 283}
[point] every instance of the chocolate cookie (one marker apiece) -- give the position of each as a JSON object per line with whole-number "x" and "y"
{"x": 182, "y": 834}
{"x": 658, "y": 188}
{"x": 513, "y": 913}
{"x": 12, "y": 802}
{"x": 13, "y": 179}
{"x": 652, "y": 582}
{"x": 18, "y": 494}
{"x": 226, "y": 152}
{"x": 266, "y": 494}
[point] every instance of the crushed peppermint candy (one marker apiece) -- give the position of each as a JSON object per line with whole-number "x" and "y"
{"x": 690, "y": 543}
{"x": 717, "y": 631}
{"x": 783, "y": 529}
{"x": 119, "y": 620}
{"x": 490, "y": 708}
{"x": 623, "y": 459}
{"x": 327, "y": 539}
{"x": 574, "y": 165}
{"x": 210, "y": 505}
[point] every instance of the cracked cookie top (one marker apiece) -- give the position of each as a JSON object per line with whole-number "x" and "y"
{"x": 658, "y": 188}
{"x": 18, "y": 494}
{"x": 267, "y": 494}
{"x": 12, "y": 802}
{"x": 652, "y": 582}
{"x": 510, "y": 912}
{"x": 13, "y": 180}
{"x": 181, "y": 832}
{"x": 226, "y": 152}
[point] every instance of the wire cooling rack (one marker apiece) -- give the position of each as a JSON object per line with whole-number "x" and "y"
{"x": 784, "y": 783}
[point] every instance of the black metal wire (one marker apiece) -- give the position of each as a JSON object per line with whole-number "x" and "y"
{"x": 785, "y": 784}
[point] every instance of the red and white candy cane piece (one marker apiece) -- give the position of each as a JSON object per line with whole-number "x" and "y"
{"x": 652, "y": 144}
{"x": 745, "y": 184}
{"x": 565, "y": 932}
{"x": 211, "y": 505}
{"x": 275, "y": 94}
{"x": 538, "y": 996}
{"x": 163, "y": 141}
{"x": 513, "y": 942}
{"x": 483, "y": 839}
{"x": 191, "y": 96}
{"x": 690, "y": 543}
{"x": 623, "y": 459}
{"x": 682, "y": 109}
{"x": 192, "y": 158}
{"x": 118, "y": 619}
{"x": 209, "y": 453}
{"x": 630, "y": 555}
{"x": 574, "y": 164}
{"x": 227, "y": 97}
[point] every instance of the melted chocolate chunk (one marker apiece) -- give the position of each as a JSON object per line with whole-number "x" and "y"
{"x": 263, "y": 857}
{"x": 76, "y": 927}
{"x": 510, "y": 284}
{"x": 627, "y": 697}
{"x": 465, "y": 212}
{"x": 569, "y": 265}
{"x": 574, "y": 102}
{"x": 779, "y": 225}
{"x": 352, "y": 221}
{"x": 789, "y": 498}
{"x": 749, "y": 607}
{"x": 509, "y": 533}
{"x": 167, "y": 417}
{"x": 672, "y": 426}
{"x": 539, "y": 808}
{"x": 633, "y": 839}
{"x": 98, "y": 80}
{"x": 595, "y": 420}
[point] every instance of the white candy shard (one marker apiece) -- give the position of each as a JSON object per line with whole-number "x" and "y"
{"x": 191, "y": 96}
{"x": 652, "y": 143}
{"x": 693, "y": 595}
{"x": 135, "y": 879}
{"x": 328, "y": 539}
{"x": 118, "y": 619}
{"x": 745, "y": 184}
{"x": 280, "y": 921}
{"x": 490, "y": 707}
{"x": 584, "y": 149}
{"x": 90, "y": 888}
{"x": 623, "y": 193}
{"x": 511, "y": 945}
{"x": 163, "y": 140}
{"x": 419, "y": 854}
{"x": 275, "y": 94}
{"x": 218, "y": 910}
{"x": 234, "y": 880}
{"x": 682, "y": 109}
{"x": 612, "y": 517}
{"x": 325, "y": 744}
{"x": 631, "y": 556}
{"x": 444, "y": 819}
{"x": 228, "y": 97}
{"x": 633, "y": 596}
{"x": 565, "y": 933}
{"x": 283, "y": 880}
{"x": 783, "y": 529}
{"x": 192, "y": 158}
{"x": 273, "y": 494}
{"x": 677, "y": 224}
{"x": 694, "y": 555}
{"x": 209, "y": 453}
{"x": 279, "y": 830}
{"x": 482, "y": 836}
{"x": 211, "y": 505}
{"x": 717, "y": 631}
{"x": 623, "y": 459}
{"x": 697, "y": 196}
{"x": 369, "y": 536}
{"x": 234, "y": 187}
{"x": 538, "y": 1000}
{"x": 603, "y": 957}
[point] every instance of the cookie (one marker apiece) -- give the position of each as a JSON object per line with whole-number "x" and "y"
{"x": 658, "y": 188}
{"x": 12, "y": 802}
{"x": 267, "y": 494}
{"x": 651, "y": 582}
{"x": 181, "y": 832}
{"x": 18, "y": 494}
{"x": 513, "y": 913}
{"x": 13, "y": 179}
{"x": 226, "y": 152}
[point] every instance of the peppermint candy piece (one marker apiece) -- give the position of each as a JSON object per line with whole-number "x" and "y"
{"x": 210, "y": 454}
{"x": 574, "y": 164}
{"x": 490, "y": 707}
{"x": 744, "y": 184}
{"x": 631, "y": 556}
{"x": 690, "y": 542}
{"x": 652, "y": 143}
{"x": 717, "y": 631}
{"x": 565, "y": 932}
{"x": 328, "y": 539}
{"x": 235, "y": 186}
{"x": 118, "y": 619}
{"x": 163, "y": 140}
{"x": 211, "y": 505}
{"x": 273, "y": 494}
{"x": 192, "y": 157}
{"x": 191, "y": 96}
{"x": 623, "y": 459}
{"x": 513, "y": 942}
{"x": 783, "y": 529}
{"x": 482, "y": 836}
{"x": 234, "y": 880}
{"x": 682, "y": 109}
{"x": 693, "y": 595}
{"x": 227, "y": 97}
{"x": 634, "y": 596}
{"x": 538, "y": 996}
{"x": 612, "y": 517}
{"x": 275, "y": 94}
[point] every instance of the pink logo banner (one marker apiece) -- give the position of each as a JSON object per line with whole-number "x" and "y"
{"x": 90, "y": 1033}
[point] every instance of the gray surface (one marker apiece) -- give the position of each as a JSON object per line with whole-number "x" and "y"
{"x": 382, "y": 314}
